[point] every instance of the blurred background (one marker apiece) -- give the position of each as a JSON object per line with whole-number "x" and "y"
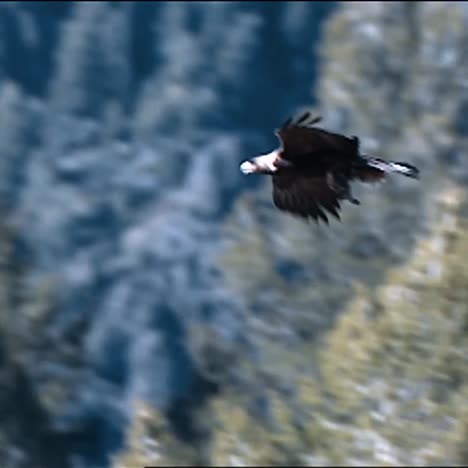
{"x": 156, "y": 309}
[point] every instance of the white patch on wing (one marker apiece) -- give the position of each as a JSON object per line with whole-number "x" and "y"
{"x": 400, "y": 168}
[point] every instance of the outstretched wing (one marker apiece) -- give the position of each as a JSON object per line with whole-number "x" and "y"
{"x": 305, "y": 196}
{"x": 299, "y": 138}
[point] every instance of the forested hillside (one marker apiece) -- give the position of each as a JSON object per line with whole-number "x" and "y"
{"x": 156, "y": 309}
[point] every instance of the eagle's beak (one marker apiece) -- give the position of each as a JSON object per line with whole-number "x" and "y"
{"x": 247, "y": 167}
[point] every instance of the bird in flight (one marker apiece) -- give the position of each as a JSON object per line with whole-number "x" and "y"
{"x": 312, "y": 169}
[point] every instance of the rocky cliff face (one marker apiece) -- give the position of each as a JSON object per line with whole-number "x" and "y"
{"x": 154, "y": 306}
{"x": 122, "y": 127}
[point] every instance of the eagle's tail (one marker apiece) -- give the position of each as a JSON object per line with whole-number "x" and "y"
{"x": 374, "y": 169}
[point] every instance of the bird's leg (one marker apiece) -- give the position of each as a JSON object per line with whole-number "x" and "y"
{"x": 347, "y": 195}
{"x": 339, "y": 183}
{"x": 353, "y": 200}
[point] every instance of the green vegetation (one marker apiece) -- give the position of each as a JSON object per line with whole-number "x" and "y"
{"x": 396, "y": 361}
{"x": 357, "y": 333}
{"x": 392, "y": 383}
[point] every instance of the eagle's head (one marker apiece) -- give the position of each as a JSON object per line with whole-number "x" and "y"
{"x": 264, "y": 164}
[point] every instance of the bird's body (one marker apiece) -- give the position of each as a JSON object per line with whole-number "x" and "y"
{"x": 312, "y": 170}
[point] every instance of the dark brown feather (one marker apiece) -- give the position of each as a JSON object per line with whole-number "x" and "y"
{"x": 300, "y": 139}
{"x": 322, "y": 169}
{"x": 313, "y": 169}
{"x": 369, "y": 174}
{"x": 309, "y": 197}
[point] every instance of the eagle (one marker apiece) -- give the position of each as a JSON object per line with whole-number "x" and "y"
{"x": 313, "y": 168}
